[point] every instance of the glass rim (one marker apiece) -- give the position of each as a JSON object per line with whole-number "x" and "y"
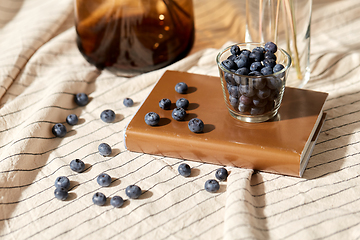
{"x": 252, "y": 43}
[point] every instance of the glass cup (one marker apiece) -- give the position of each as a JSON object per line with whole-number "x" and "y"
{"x": 130, "y": 37}
{"x": 253, "y": 98}
{"x": 288, "y": 24}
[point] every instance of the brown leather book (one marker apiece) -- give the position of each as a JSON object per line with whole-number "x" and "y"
{"x": 282, "y": 145}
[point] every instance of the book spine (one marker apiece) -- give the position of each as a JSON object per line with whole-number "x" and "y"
{"x": 211, "y": 151}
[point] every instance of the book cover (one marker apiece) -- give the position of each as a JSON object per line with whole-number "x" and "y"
{"x": 282, "y": 145}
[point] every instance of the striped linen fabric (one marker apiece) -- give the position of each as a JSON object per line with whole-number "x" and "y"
{"x": 40, "y": 71}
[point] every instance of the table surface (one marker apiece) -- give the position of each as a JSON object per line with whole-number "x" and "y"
{"x": 40, "y": 71}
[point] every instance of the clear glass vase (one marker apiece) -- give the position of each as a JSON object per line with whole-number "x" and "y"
{"x": 288, "y": 24}
{"x": 130, "y": 37}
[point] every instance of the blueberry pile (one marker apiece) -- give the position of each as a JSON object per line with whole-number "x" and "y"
{"x": 179, "y": 113}
{"x": 252, "y": 88}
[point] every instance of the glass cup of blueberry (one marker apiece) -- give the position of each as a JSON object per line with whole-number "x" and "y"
{"x": 253, "y": 77}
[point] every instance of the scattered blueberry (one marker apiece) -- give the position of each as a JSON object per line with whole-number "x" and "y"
{"x": 181, "y": 87}
{"x": 196, "y": 125}
{"x": 99, "y": 199}
{"x": 104, "y": 180}
{"x": 81, "y": 99}
{"x": 184, "y": 170}
{"x": 165, "y": 103}
{"x": 61, "y": 193}
{"x": 72, "y": 119}
{"x": 107, "y": 115}
{"x": 116, "y": 201}
{"x": 62, "y": 182}
{"x": 212, "y": 185}
{"x": 152, "y": 118}
{"x": 221, "y": 174}
{"x": 182, "y": 103}
{"x": 178, "y": 114}
{"x": 77, "y": 165}
{"x": 133, "y": 191}
{"x": 128, "y": 102}
{"x": 59, "y": 130}
{"x": 104, "y": 149}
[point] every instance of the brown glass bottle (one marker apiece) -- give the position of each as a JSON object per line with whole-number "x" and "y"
{"x": 131, "y": 37}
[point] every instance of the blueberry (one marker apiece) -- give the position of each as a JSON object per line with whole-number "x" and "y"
{"x": 62, "y": 182}
{"x": 274, "y": 83}
{"x": 184, "y": 170}
{"x": 212, "y": 185}
{"x": 234, "y": 91}
{"x": 72, "y": 119}
{"x": 59, "y": 130}
{"x": 229, "y": 78}
{"x": 128, "y": 102}
{"x": 116, "y": 201}
{"x": 152, "y": 118}
{"x": 259, "y": 83}
{"x": 242, "y": 61}
{"x": 243, "y": 108}
{"x": 257, "y": 110}
{"x": 182, "y": 103}
{"x": 81, "y": 99}
{"x": 104, "y": 149}
{"x": 77, "y": 165}
{"x": 229, "y": 64}
{"x": 231, "y": 57}
{"x": 61, "y": 193}
{"x": 133, "y": 191}
{"x": 196, "y": 125}
{"x": 278, "y": 67}
{"x": 221, "y": 174}
{"x": 245, "y": 53}
{"x": 242, "y": 71}
{"x": 258, "y": 102}
{"x": 270, "y": 47}
{"x": 268, "y": 62}
{"x": 266, "y": 71}
{"x": 247, "y": 90}
{"x": 104, "y": 180}
{"x": 256, "y": 66}
{"x": 255, "y": 73}
{"x": 245, "y": 100}
{"x": 235, "y": 50}
{"x": 264, "y": 93}
{"x": 233, "y": 101}
{"x": 107, "y": 115}
{"x": 181, "y": 87}
{"x": 178, "y": 114}
{"x": 259, "y": 49}
{"x": 99, "y": 199}
{"x": 256, "y": 56}
{"x": 165, "y": 103}
{"x": 270, "y": 55}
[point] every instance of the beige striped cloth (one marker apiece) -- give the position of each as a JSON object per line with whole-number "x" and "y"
{"x": 40, "y": 71}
